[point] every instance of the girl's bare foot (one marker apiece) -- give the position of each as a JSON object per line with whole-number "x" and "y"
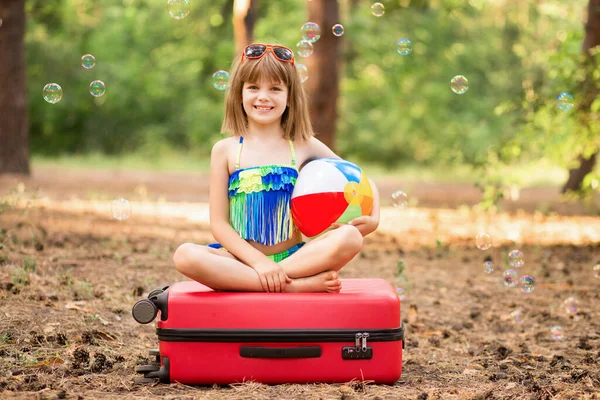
{"x": 327, "y": 281}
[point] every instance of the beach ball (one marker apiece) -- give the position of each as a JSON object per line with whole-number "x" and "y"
{"x": 327, "y": 191}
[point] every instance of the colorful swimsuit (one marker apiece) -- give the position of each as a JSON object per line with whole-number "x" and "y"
{"x": 259, "y": 202}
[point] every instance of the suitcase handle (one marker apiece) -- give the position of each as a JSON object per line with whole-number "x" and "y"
{"x": 280, "y": 352}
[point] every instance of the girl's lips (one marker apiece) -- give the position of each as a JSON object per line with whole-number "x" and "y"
{"x": 263, "y": 108}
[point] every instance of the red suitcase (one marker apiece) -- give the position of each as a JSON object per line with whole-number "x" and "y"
{"x": 209, "y": 337}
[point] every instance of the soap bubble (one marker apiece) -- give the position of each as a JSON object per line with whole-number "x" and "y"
{"x": 527, "y": 283}
{"x": 178, "y": 9}
{"x": 378, "y": 9}
{"x": 516, "y": 258}
{"x": 97, "y": 88}
{"x": 596, "y": 270}
{"x": 404, "y": 47}
{"x": 304, "y": 48}
{"x": 557, "y": 332}
{"x": 571, "y": 305}
{"x": 564, "y": 101}
{"x": 400, "y": 293}
{"x": 302, "y": 72}
{"x": 483, "y": 241}
{"x": 88, "y": 61}
{"x": 459, "y": 84}
{"x": 517, "y": 316}
{"x": 399, "y": 199}
{"x": 311, "y": 32}
{"x": 338, "y": 30}
{"x": 510, "y": 278}
{"x": 52, "y": 93}
{"x": 120, "y": 209}
{"x": 488, "y": 266}
{"x": 220, "y": 80}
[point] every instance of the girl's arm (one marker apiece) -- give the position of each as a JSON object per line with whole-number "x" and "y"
{"x": 318, "y": 149}
{"x": 219, "y": 209}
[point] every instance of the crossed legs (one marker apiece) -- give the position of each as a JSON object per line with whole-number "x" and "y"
{"x": 313, "y": 268}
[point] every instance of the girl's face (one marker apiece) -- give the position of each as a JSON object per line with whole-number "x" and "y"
{"x": 264, "y": 102}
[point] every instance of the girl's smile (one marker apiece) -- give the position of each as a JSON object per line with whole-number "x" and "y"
{"x": 263, "y": 108}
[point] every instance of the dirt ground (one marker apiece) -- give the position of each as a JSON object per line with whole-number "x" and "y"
{"x": 69, "y": 275}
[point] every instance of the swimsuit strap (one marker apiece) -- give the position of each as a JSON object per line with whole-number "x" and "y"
{"x": 239, "y": 154}
{"x": 237, "y": 160}
{"x": 293, "y": 153}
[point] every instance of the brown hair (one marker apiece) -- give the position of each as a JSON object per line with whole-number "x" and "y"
{"x": 295, "y": 120}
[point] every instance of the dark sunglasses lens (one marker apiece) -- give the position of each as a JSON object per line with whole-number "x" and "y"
{"x": 255, "y": 50}
{"x": 283, "y": 53}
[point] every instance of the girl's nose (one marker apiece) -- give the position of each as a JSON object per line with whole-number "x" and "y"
{"x": 262, "y": 95}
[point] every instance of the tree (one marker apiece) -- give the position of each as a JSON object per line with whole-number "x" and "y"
{"x": 323, "y": 71}
{"x": 14, "y": 140}
{"x": 244, "y": 19}
{"x": 587, "y": 163}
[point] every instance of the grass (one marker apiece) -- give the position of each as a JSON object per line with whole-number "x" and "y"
{"x": 167, "y": 162}
{"x": 528, "y": 175}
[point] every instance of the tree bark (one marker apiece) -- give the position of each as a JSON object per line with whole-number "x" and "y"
{"x": 589, "y": 93}
{"x": 14, "y": 134}
{"x": 244, "y": 19}
{"x": 323, "y": 70}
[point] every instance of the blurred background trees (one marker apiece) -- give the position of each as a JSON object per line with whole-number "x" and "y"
{"x": 393, "y": 110}
{"x": 14, "y": 138}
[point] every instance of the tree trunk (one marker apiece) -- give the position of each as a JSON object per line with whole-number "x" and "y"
{"x": 244, "y": 19}
{"x": 589, "y": 93}
{"x": 323, "y": 70}
{"x": 14, "y": 135}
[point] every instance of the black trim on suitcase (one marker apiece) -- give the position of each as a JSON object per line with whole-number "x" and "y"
{"x": 280, "y": 352}
{"x": 162, "y": 303}
{"x": 277, "y": 335}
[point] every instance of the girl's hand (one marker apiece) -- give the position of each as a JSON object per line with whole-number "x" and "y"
{"x": 271, "y": 275}
{"x": 365, "y": 224}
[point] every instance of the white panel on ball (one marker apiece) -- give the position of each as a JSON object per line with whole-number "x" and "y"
{"x": 319, "y": 177}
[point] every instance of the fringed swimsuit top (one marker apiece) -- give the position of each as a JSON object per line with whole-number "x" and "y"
{"x": 259, "y": 200}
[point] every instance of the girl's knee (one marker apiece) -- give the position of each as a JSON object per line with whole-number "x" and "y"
{"x": 351, "y": 240}
{"x": 183, "y": 255}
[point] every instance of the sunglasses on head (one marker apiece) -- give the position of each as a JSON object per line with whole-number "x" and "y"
{"x": 256, "y": 51}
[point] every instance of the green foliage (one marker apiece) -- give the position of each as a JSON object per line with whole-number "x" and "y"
{"x": 400, "y": 266}
{"x": 394, "y": 110}
{"x": 29, "y": 264}
{"x": 20, "y": 277}
{"x": 157, "y": 72}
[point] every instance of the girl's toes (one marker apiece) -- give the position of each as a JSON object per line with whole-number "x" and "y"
{"x": 334, "y": 289}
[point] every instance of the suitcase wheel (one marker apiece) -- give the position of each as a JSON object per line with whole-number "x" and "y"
{"x": 144, "y": 311}
{"x": 143, "y": 381}
{"x": 152, "y": 372}
{"x": 142, "y": 369}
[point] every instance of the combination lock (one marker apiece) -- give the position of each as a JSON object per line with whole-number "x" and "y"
{"x": 360, "y": 351}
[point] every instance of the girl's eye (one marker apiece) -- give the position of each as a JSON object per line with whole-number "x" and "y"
{"x": 252, "y": 87}
{"x": 275, "y": 88}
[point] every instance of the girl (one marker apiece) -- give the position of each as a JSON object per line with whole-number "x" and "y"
{"x": 252, "y": 176}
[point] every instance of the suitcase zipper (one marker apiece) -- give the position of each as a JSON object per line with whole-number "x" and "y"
{"x": 281, "y": 335}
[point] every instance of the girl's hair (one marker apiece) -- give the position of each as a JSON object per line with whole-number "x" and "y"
{"x": 295, "y": 120}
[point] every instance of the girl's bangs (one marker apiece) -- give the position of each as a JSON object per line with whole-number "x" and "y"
{"x": 266, "y": 67}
